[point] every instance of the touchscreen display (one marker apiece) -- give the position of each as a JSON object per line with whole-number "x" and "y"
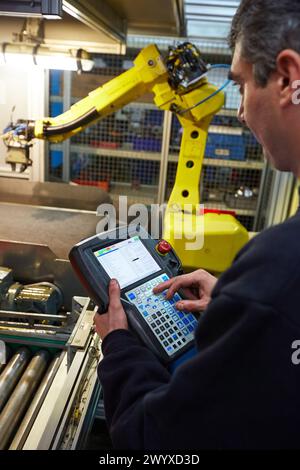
{"x": 128, "y": 261}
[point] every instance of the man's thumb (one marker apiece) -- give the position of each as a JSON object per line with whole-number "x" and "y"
{"x": 114, "y": 294}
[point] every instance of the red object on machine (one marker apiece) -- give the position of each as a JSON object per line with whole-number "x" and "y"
{"x": 105, "y": 145}
{"x": 163, "y": 247}
{"x": 219, "y": 211}
{"x": 100, "y": 184}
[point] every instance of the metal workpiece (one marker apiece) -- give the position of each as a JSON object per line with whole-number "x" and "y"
{"x": 32, "y": 411}
{"x": 42, "y": 297}
{"x": 12, "y": 373}
{"x": 14, "y": 409}
{"x": 8, "y": 299}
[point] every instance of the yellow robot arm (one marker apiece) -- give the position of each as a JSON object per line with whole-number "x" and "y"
{"x": 176, "y": 82}
{"x": 148, "y": 70}
{"x": 179, "y": 84}
{"x": 205, "y": 239}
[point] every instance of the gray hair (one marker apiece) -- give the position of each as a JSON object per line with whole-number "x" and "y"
{"x": 265, "y": 28}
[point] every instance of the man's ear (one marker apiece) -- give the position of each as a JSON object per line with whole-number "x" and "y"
{"x": 288, "y": 72}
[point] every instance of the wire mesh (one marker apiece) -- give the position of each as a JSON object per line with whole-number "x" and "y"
{"x": 56, "y": 88}
{"x": 232, "y": 167}
{"x": 122, "y": 152}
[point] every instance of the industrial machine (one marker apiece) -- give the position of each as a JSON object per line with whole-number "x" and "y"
{"x": 48, "y": 349}
{"x": 179, "y": 84}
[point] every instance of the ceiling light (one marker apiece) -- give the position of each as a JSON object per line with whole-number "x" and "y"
{"x": 20, "y": 54}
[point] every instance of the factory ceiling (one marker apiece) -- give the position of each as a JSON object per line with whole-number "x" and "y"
{"x": 104, "y": 26}
{"x": 101, "y": 26}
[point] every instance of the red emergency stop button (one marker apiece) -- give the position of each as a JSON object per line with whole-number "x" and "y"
{"x": 163, "y": 247}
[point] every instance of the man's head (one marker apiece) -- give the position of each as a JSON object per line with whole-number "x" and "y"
{"x": 265, "y": 38}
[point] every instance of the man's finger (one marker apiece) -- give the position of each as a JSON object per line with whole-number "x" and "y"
{"x": 191, "y": 305}
{"x": 173, "y": 285}
{"x": 163, "y": 286}
{"x": 179, "y": 283}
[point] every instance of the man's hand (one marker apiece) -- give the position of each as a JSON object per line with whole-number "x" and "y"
{"x": 115, "y": 317}
{"x": 196, "y": 286}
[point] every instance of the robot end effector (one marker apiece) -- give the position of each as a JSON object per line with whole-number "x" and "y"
{"x": 18, "y": 140}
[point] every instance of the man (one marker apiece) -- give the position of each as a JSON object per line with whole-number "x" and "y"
{"x": 242, "y": 389}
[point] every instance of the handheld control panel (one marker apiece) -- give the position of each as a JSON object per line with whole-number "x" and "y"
{"x": 139, "y": 263}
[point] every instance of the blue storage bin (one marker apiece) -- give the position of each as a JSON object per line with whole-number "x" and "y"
{"x": 225, "y": 146}
{"x": 146, "y": 143}
{"x": 56, "y": 159}
{"x": 153, "y": 117}
{"x": 56, "y": 82}
{"x": 144, "y": 172}
{"x": 56, "y": 109}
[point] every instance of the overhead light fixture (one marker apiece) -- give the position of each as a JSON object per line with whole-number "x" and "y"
{"x": 50, "y": 9}
{"x": 20, "y": 54}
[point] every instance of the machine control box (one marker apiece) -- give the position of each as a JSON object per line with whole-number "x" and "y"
{"x": 139, "y": 263}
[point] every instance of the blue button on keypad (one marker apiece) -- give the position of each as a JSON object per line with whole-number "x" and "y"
{"x": 173, "y": 329}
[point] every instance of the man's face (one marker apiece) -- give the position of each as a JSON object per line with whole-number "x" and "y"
{"x": 260, "y": 111}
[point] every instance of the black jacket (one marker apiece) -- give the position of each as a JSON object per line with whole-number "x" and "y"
{"x": 242, "y": 389}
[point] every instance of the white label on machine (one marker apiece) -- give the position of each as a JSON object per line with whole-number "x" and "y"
{"x": 128, "y": 261}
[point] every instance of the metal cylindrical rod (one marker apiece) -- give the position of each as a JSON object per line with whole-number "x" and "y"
{"x": 14, "y": 409}
{"x": 5, "y": 354}
{"x": 12, "y": 373}
{"x": 28, "y": 419}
